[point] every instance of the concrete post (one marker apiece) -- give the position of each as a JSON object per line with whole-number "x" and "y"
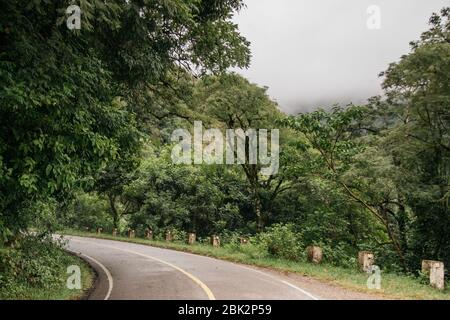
{"x": 99, "y": 230}
{"x": 365, "y": 261}
{"x": 131, "y": 233}
{"x": 169, "y": 236}
{"x": 149, "y": 234}
{"x": 215, "y": 241}
{"x": 314, "y": 254}
{"x": 191, "y": 238}
{"x": 114, "y": 232}
{"x": 435, "y": 269}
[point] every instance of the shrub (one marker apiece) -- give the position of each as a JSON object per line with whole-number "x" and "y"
{"x": 281, "y": 241}
{"x": 230, "y": 239}
{"x": 87, "y": 211}
{"x": 36, "y": 262}
{"x": 340, "y": 254}
{"x": 179, "y": 235}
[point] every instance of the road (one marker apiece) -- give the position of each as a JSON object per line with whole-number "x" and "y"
{"x": 134, "y": 271}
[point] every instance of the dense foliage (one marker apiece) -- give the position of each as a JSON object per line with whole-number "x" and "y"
{"x": 86, "y": 119}
{"x": 68, "y": 98}
{"x": 74, "y": 103}
{"x": 371, "y": 177}
{"x": 38, "y": 264}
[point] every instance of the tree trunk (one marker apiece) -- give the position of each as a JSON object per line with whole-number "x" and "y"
{"x": 394, "y": 240}
{"x": 114, "y": 212}
{"x": 258, "y": 211}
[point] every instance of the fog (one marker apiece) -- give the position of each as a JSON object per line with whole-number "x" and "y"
{"x": 314, "y": 53}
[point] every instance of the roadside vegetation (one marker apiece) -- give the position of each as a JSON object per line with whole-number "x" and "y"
{"x": 87, "y": 118}
{"x": 37, "y": 269}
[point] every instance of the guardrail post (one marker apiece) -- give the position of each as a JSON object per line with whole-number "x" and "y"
{"x": 149, "y": 234}
{"x": 365, "y": 261}
{"x": 169, "y": 236}
{"x": 215, "y": 241}
{"x": 191, "y": 238}
{"x": 114, "y": 232}
{"x": 435, "y": 269}
{"x": 131, "y": 233}
{"x": 314, "y": 254}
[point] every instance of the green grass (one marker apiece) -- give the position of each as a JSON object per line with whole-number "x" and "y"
{"x": 394, "y": 286}
{"x": 61, "y": 292}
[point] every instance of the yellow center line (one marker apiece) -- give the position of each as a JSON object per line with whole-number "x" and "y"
{"x": 189, "y": 275}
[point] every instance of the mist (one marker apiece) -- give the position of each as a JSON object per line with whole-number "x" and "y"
{"x": 317, "y": 53}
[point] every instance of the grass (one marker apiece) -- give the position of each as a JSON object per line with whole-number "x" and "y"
{"x": 61, "y": 292}
{"x": 394, "y": 286}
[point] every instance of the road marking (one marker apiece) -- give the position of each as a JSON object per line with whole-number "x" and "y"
{"x": 190, "y": 276}
{"x": 300, "y": 289}
{"x": 283, "y": 281}
{"x": 108, "y": 274}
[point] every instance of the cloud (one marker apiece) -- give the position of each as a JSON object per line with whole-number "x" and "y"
{"x": 317, "y": 53}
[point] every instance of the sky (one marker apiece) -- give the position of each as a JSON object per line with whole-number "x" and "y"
{"x": 315, "y": 53}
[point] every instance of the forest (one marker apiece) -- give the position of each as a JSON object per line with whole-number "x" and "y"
{"x": 87, "y": 120}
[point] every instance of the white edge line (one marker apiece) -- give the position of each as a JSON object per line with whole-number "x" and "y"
{"x": 283, "y": 281}
{"x": 108, "y": 274}
{"x": 300, "y": 289}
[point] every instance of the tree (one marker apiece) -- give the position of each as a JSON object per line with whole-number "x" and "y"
{"x": 339, "y": 142}
{"x": 67, "y": 96}
{"x": 392, "y": 156}
{"x": 232, "y": 102}
{"x": 203, "y": 199}
{"x": 418, "y": 91}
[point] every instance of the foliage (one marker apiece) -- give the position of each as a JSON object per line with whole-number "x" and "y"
{"x": 86, "y": 118}
{"x": 281, "y": 241}
{"x": 351, "y": 178}
{"x": 86, "y": 212}
{"x": 392, "y": 157}
{"x": 232, "y": 102}
{"x": 199, "y": 199}
{"x": 418, "y": 88}
{"x": 67, "y": 97}
{"x": 37, "y": 263}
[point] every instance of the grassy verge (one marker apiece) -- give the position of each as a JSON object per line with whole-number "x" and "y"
{"x": 62, "y": 292}
{"x": 394, "y": 286}
{"x": 17, "y": 290}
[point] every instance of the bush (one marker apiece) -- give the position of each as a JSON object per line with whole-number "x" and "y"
{"x": 178, "y": 235}
{"x": 230, "y": 239}
{"x": 36, "y": 262}
{"x": 281, "y": 241}
{"x": 87, "y": 211}
{"x": 340, "y": 254}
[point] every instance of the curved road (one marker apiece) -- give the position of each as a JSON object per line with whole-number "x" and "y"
{"x": 134, "y": 271}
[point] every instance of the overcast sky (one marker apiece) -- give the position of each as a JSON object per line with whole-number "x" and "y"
{"x": 319, "y": 52}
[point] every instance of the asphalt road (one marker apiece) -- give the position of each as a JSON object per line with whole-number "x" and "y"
{"x": 134, "y": 271}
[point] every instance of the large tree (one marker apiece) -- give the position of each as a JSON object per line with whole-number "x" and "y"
{"x": 230, "y": 101}
{"x": 418, "y": 91}
{"x": 392, "y": 156}
{"x": 67, "y": 96}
